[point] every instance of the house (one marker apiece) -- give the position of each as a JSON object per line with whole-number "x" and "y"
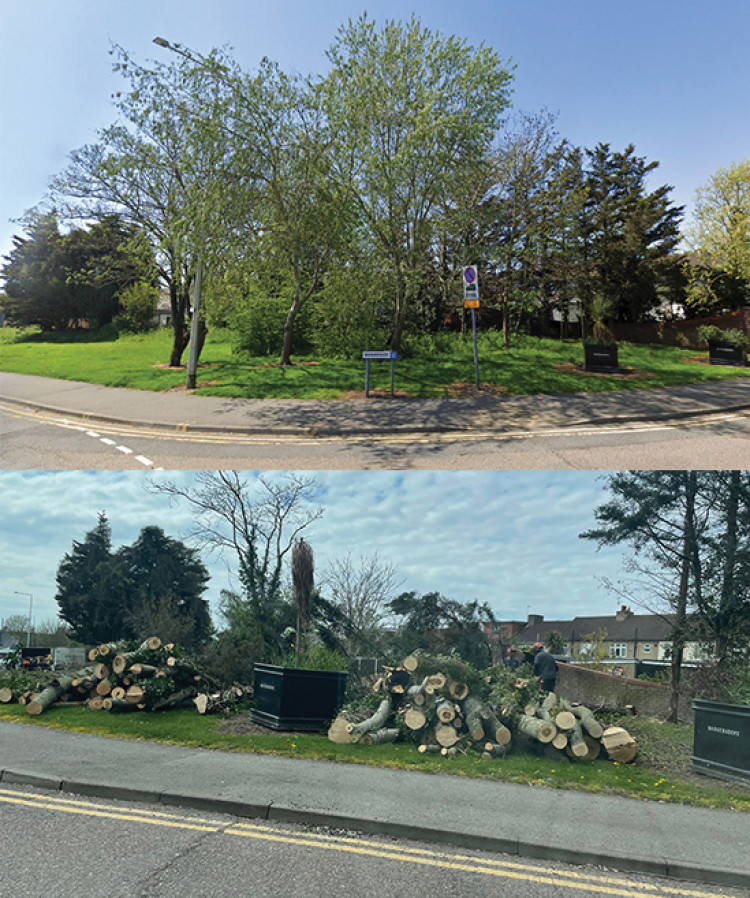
{"x": 163, "y": 309}
{"x": 635, "y": 642}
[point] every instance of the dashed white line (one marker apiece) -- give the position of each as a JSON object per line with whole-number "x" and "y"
{"x": 124, "y": 450}
{"x": 107, "y": 441}
{"x": 144, "y": 461}
{"x": 92, "y": 433}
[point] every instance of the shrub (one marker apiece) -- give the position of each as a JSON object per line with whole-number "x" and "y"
{"x": 137, "y": 308}
{"x": 710, "y": 333}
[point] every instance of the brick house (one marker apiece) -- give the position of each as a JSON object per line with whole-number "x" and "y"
{"x": 631, "y": 638}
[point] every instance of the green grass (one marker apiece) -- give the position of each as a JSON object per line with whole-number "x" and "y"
{"x": 660, "y": 774}
{"x": 529, "y": 366}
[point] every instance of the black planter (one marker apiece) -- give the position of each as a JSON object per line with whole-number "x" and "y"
{"x": 725, "y": 352}
{"x": 600, "y": 357}
{"x": 291, "y": 699}
{"x": 721, "y": 739}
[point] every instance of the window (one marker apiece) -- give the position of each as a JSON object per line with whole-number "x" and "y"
{"x": 646, "y": 648}
{"x": 618, "y": 650}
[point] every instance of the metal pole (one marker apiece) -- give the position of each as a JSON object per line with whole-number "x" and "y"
{"x": 476, "y": 355}
{"x": 367, "y": 378}
{"x": 392, "y": 364}
{"x": 193, "y": 354}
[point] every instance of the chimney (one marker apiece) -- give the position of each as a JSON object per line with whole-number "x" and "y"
{"x": 623, "y": 614}
{"x": 534, "y": 619}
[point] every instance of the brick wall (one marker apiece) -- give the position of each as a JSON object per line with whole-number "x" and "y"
{"x": 677, "y": 333}
{"x": 594, "y": 688}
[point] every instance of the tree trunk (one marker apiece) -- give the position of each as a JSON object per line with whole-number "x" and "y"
{"x": 376, "y": 722}
{"x": 619, "y": 744}
{"x": 378, "y": 737}
{"x": 679, "y": 635}
{"x": 537, "y": 729}
{"x": 286, "y": 350}
{"x": 48, "y": 696}
{"x": 446, "y": 735}
{"x": 588, "y": 721}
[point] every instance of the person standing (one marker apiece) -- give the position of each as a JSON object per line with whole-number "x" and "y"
{"x": 545, "y": 668}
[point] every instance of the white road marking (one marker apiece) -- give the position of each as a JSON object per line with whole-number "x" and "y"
{"x": 144, "y": 461}
{"x": 108, "y": 442}
{"x": 124, "y": 450}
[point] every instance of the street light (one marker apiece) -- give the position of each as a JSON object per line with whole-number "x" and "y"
{"x": 31, "y": 605}
{"x": 192, "y": 364}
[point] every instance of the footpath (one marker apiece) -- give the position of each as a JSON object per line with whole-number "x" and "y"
{"x": 183, "y": 411}
{"x": 698, "y": 844}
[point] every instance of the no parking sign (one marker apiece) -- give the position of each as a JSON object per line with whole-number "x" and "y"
{"x": 471, "y": 287}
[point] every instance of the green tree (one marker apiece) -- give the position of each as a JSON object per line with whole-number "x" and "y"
{"x": 658, "y": 513}
{"x": 165, "y": 579}
{"x": 90, "y": 588}
{"x": 442, "y": 626}
{"x": 161, "y": 169}
{"x": 721, "y": 225}
{"x": 417, "y": 112}
{"x": 35, "y": 276}
{"x": 628, "y": 235}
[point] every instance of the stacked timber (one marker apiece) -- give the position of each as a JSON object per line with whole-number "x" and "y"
{"x": 444, "y": 714}
{"x": 152, "y": 677}
{"x": 432, "y": 708}
{"x": 567, "y": 729}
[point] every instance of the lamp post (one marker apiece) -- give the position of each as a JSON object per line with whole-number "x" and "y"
{"x": 31, "y": 605}
{"x": 192, "y": 364}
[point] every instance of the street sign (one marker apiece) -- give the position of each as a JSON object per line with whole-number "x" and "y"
{"x": 385, "y": 354}
{"x": 471, "y": 287}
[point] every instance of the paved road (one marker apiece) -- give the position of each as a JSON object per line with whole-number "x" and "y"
{"x": 43, "y": 427}
{"x": 698, "y": 844}
{"x": 108, "y": 849}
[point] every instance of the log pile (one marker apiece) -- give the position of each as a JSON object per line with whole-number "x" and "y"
{"x": 152, "y": 677}
{"x": 433, "y": 709}
{"x": 444, "y": 714}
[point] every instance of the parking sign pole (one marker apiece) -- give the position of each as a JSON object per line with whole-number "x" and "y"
{"x": 471, "y": 301}
{"x": 476, "y": 352}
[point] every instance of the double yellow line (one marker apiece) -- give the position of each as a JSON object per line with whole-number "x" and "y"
{"x": 509, "y": 870}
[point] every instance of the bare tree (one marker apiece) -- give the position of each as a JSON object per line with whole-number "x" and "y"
{"x": 258, "y": 520}
{"x": 362, "y": 590}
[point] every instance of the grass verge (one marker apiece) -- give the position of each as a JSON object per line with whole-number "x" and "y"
{"x": 662, "y": 771}
{"x": 439, "y": 368}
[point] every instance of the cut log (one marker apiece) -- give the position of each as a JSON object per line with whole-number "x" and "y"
{"x": 457, "y": 690}
{"x": 414, "y": 718}
{"x": 560, "y": 741}
{"x": 565, "y": 720}
{"x": 48, "y": 696}
{"x": 577, "y": 747}
{"x": 104, "y": 650}
{"x": 619, "y": 744}
{"x": 103, "y": 687}
{"x": 594, "y": 747}
{"x": 588, "y": 721}
{"x": 428, "y": 748}
{"x": 541, "y": 730}
{"x": 530, "y": 710}
{"x": 446, "y": 711}
{"x": 95, "y": 702}
{"x": 446, "y": 735}
{"x": 437, "y": 681}
{"x": 182, "y": 697}
{"x": 473, "y": 708}
{"x": 134, "y": 694}
{"x": 152, "y": 644}
{"x": 397, "y": 680}
{"x": 101, "y": 670}
{"x": 340, "y": 731}
{"x": 119, "y": 706}
{"x": 494, "y": 750}
{"x": 449, "y": 752}
{"x": 142, "y": 670}
{"x": 118, "y": 693}
{"x": 379, "y": 737}
{"x": 376, "y": 722}
{"x": 6, "y": 695}
{"x": 410, "y": 663}
{"x": 493, "y": 728}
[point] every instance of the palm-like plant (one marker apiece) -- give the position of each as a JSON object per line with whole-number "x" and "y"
{"x": 303, "y": 568}
{"x": 600, "y": 309}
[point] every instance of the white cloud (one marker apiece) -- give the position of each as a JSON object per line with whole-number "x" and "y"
{"x": 506, "y": 538}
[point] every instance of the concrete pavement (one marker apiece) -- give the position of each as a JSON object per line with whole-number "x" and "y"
{"x": 179, "y": 410}
{"x": 704, "y": 845}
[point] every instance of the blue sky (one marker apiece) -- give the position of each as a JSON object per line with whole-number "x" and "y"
{"x": 670, "y": 76}
{"x": 506, "y": 538}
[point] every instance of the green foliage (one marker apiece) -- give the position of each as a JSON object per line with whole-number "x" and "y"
{"x": 600, "y": 308}
{"x": 256, "y": 320}
{"x": 710, "y": 332}
{"x": 315, "y": 657}
{"x": 137, "y": 308}
{"x": 555, "y": 642}
{"x": 441, "y": 626}
{"x": 592, "y": 649}
{"x": 18, "y": 334}
{"x": 155, "y": 582}
{"x": 348, "y": 315}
